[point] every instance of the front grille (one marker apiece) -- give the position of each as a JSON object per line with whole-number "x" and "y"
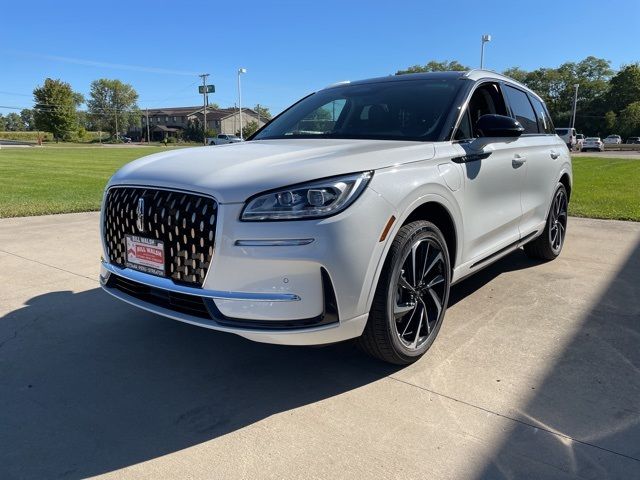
{"x": 184, "y": 222}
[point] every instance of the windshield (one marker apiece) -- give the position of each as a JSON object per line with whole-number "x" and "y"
{"x": 396, "y": 110}
{"x": 562, "y": 131}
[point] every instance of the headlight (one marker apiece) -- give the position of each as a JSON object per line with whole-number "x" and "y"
{"x": 318, "y": 199}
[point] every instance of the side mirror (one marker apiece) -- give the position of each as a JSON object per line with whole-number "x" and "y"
{"x": 498, "y": 126}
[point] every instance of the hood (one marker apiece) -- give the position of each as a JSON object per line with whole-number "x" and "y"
{"x": 236, "y": 171}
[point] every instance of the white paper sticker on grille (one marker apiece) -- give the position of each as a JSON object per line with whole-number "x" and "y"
{"x": 145, "y": 254}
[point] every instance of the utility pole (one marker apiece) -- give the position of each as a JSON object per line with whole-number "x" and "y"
{"x": 115, "y": 110}
{"x": 258, "y": 112}
{"x": 148, "y": 137}
{"x": 204, "y": 106}
{"x": 575, "y": 105}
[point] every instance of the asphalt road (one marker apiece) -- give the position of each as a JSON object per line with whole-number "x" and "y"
{"x": 535, "y": 374}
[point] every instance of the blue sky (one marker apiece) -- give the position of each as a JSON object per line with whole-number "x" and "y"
{"x": 290, "y": 48}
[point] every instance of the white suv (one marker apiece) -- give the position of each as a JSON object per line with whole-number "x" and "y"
{"x": 569, "y": 136}
{"x": 349, "y": 215}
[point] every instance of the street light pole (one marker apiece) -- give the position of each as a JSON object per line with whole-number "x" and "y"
{"x": 240, "y": 72}
{"x": 485, "y": 39}
{"x": 575, "y": 105}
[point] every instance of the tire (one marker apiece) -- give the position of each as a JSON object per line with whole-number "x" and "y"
{"x": 549, "y": 244}
{"x": 410, "y": 303}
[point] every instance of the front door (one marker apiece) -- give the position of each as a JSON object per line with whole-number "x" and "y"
{"x": 494, "y": 174}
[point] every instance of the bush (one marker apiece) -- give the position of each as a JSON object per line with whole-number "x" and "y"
{"x": 26, "y": 136}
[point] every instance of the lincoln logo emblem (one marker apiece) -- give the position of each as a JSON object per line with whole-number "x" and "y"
{"x": 140, "y": 215}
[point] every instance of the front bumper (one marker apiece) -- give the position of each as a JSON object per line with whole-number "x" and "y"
{"x": 272, "y": 291}
{"x": 327, "y": 328}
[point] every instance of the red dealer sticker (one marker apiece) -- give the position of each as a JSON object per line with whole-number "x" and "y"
{"x": 145, "y": 254}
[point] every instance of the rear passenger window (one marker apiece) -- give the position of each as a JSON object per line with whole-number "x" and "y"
{"x": 522, "y": 109}
{"x": 544, "y": 122}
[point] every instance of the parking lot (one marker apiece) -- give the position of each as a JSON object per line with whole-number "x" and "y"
{"x": 535, "y": 373}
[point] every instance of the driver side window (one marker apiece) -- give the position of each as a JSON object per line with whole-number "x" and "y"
{"x": 486, "y": 99}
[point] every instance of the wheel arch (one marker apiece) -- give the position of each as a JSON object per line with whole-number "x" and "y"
{"x": 434, "y": 208}
{"x": 566, "y": 181}
{"x": 436, "y": 213}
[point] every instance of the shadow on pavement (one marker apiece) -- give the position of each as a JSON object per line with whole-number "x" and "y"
{"x": 90, "y": 385}
{"x": 591, "y": 393}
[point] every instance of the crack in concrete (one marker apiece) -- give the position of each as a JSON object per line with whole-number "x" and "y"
{"x": 513, "y": 419}
{"x": 48, "y": 265}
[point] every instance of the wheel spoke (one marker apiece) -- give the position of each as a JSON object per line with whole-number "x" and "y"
{"x": 438, "y": 258}
{"x": 426, "y": 316}
{"x": 408, "y": 323}
{"x": 437, "y": 280}
{"x": 399, "y": 310}
{"x": 437, "y": 301}
{"x": 413, "y": 264}
{"x": 424, "y": 264}
{"x": 405, "y": 284}
{"x": 417, "y": 337}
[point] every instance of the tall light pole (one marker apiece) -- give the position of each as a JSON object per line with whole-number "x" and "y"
{"x": 240, "y": 72}
{"x": 575, "y": 104}
{"x": 485, "y": 39}
{"x": 204, "y": 106}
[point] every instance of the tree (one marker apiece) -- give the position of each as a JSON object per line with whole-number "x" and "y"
{"x": 624, "y": 87}
{"x": 55, "y": 108}
{"x": 13, "y": 122}
{"x": 629, "y": 120}
{"x": 610, "y": 120}
{"x": 248, "y": 129}
{"x": 517, "y": 74}
{"x": 26, "y": 116}
{"x": 557, "y": 86}
{"x": 112, "y": 105}
{"x": 435, "y": 66}
{"x": 263, "y": 112}
{"x": 3, "y": 125}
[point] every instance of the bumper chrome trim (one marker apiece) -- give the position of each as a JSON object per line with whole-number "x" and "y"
{"x": 293, "y": 242}
{"x": 167, "y": 284}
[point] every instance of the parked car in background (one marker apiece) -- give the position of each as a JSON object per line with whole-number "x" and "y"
{"x": 593, "y": 143}
{"x": 349, "y": 215}
{"x": 579, "y": 141}
{"x": 223, "y": 138}
{"x": 613, "y": 140}
{"x": 568, "y": 135}
{"x": 633, "y": 140}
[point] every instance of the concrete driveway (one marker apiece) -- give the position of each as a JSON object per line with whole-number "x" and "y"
{"x": 535, "y": 374}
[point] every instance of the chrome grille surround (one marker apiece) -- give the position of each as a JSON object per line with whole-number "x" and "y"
{"x": 185, "y": 222}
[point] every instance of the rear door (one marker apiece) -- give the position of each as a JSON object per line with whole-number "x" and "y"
{"x": 540, "y": 151}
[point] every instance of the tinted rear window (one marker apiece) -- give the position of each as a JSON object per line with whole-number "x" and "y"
{"x": 522, "y": 109}
{"x": 544, "y": 121}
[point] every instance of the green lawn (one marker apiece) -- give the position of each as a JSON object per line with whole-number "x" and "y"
{"x": 54, "y": 179}
{"x": 58, "y": 179}
{"x": 606, "y": 188}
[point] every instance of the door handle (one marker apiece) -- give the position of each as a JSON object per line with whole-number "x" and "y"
{"x": 518, "y": 160}
{"x": 554, "y": 154}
